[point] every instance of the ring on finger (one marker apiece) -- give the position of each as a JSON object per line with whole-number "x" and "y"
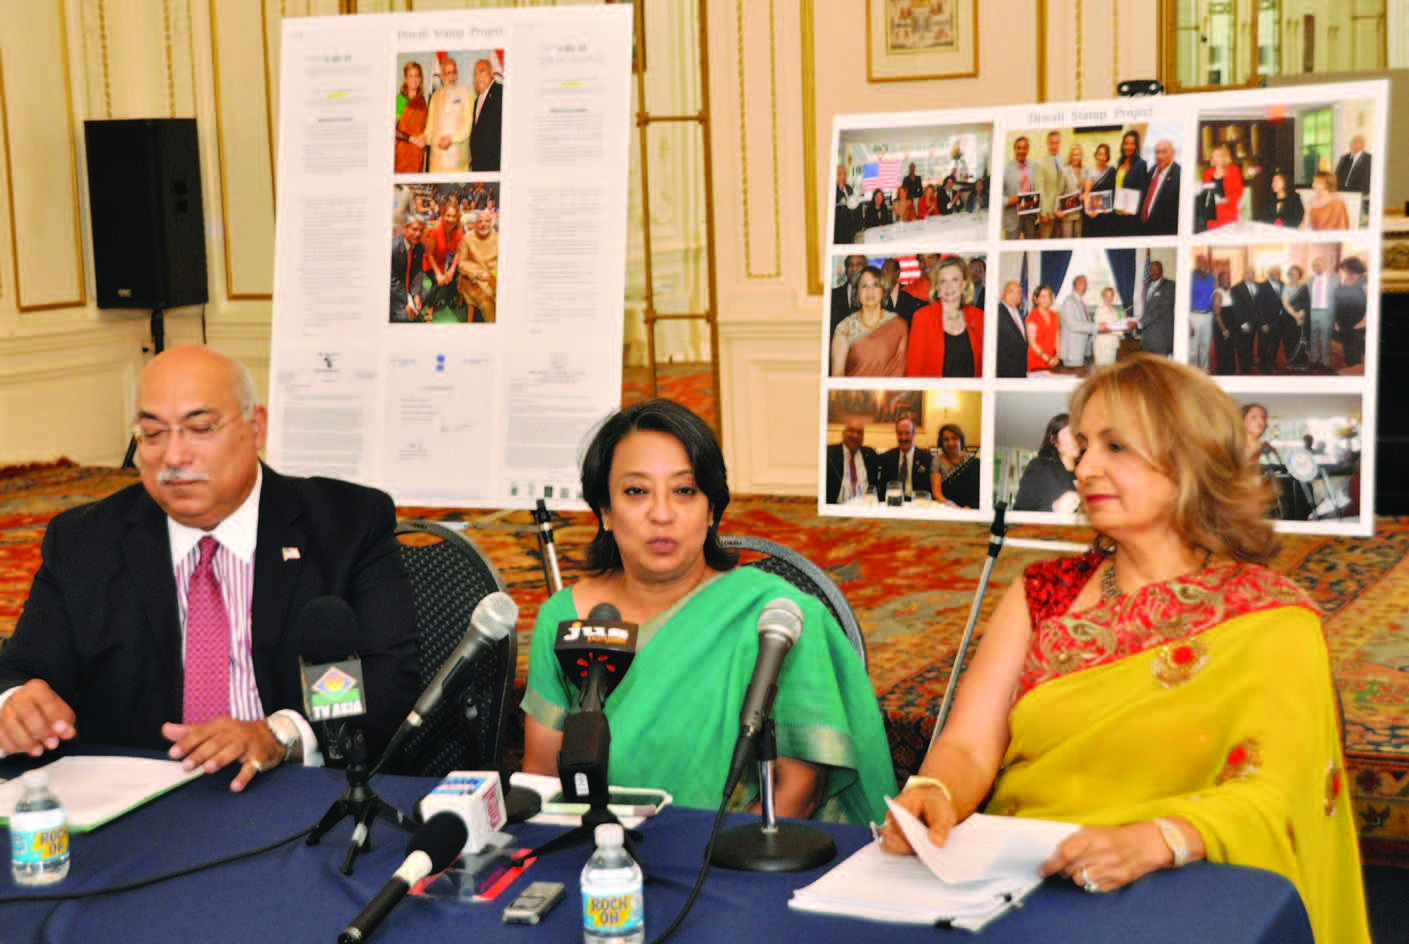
{"x": 1087, "y": 883}
{"x": 258, "y": 767}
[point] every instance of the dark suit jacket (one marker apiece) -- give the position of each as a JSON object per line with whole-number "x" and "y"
{"x": 835, "y": 454}
{"x": 919, "y": 468}
{"x": 487, "y": 130}
{"x": 1356, "y": 180}
{"x": 841, "y": 307}
{"x": 102, "y": 624}
{"x": 1164, "y": 213}
{"x": 905, "y": 306}
{"x": 1157, "y": 322}
{"x": 1012, "y": 346}
{"x": 1244, "y": 305}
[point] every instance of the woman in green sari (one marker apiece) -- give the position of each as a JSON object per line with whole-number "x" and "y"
{"x": 1166, "y": 690}
{"x": 654, "y": 476}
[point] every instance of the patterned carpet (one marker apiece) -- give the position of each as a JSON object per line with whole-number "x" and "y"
{"x": 911, "y": 585}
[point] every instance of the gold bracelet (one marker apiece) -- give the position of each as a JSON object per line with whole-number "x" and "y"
{"x": 931, "y": 782}
{"x": 1174, "y": 838}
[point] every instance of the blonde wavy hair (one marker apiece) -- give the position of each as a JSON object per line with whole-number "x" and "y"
{"x": 1182, "y": 423}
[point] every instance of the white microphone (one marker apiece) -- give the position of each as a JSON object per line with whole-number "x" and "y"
{"x": 494, "y": 617}
{"x": 779, "y": 626}
{"x": 431, "y": 849}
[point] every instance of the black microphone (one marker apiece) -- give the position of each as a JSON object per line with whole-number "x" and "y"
{"x": 493, "y": 618}
{"x": 596, "y": 652}
{"x": 779, "y": 626}
{"x": 330, "y": 671}
{"x": 432, "y": 848}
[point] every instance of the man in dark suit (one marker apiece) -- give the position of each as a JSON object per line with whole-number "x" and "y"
{"x": 1012, "y": 333}
{"x": 488, "y": 127}
{"x": 978, "y": 278}
{"x": 912, "y": 183}
{"x": 905, "y": 463}
{"x": 853, "y": 469}
{"x": 844, "y": 214}
{"x": 165, "y": 615}
{"x": 1271, "y": 330}
{"x": 407, "y": 263}
{"x": 1159, "y": 205}
{"x": 1157, "y": 322}
{"x": 901, "y": 302}
{"x": 1245, "y": 298}
{"x": 844, "y": 300}
{"x": 1353, "y": 169}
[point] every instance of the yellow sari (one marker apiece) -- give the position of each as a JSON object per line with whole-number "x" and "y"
{"x": 1208, "y": 697}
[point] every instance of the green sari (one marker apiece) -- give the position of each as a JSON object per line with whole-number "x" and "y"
{"x": 675, "y": 715}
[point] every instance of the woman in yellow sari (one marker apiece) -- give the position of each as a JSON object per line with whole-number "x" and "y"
{"x": 1166, "y": 690}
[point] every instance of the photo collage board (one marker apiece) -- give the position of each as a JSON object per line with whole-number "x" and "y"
{"x": 981, "y": 262}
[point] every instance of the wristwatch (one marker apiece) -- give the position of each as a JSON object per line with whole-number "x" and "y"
{"x": 287, "y": 734}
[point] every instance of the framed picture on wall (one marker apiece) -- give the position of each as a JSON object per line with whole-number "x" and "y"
{"x": 908, "y": 40}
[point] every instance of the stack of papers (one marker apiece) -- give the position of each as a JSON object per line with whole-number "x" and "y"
{"x": 95, "y": 790}
{"x": 987, "y": 865}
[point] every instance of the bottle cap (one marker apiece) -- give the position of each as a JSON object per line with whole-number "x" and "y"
{"x": 34, "y": 779}
{"x": 608, "y": 835}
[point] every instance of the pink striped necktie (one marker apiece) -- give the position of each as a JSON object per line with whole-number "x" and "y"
{"x": 207, "y": 689}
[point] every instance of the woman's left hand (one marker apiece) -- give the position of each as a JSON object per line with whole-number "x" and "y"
{"x": 1104, "y": 858}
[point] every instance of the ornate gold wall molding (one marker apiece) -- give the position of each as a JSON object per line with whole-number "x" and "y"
{"x": 748, "y": 218}
{"x": 35, "y": 231}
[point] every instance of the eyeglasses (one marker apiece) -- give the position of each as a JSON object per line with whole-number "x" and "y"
{"x": 197, "y": 431}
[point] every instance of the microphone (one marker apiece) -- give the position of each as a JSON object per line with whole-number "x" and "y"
{"x": 432, "y": 848}
{"x": 597, "y": 652}
{"x": 330, "y": 672}
{"x": 779, "y": 626}
{"x": 493, "y": 618}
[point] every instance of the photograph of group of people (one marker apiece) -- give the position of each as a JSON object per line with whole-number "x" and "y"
{"x": 1101, "y": 181}
{"x": 907, "y": 316}
{"x": 1306, "y": 446}
{"x": 444, "y": 125}
{"x": 920, "y": 453}
{"x": 1065, "y": 311}
{"x": 445, "y": 253}
{"x": 906, "y": 183}
{"x": 1279, "y": 308}
{"x": 1267, "y": 170}
{"x": 1230, "y": 232}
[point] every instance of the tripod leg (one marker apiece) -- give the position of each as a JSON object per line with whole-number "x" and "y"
{"x": 361, "y": 840}
{"x": 336, "y": 812}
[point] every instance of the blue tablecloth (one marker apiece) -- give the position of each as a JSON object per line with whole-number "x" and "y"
{"x": 297, "y": 893}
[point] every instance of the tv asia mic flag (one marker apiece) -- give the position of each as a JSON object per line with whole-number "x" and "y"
{"x": 331, "y": 671}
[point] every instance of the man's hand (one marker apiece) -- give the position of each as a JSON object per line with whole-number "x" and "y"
{"x": 34, "y": 720}
{"x": 215, "y": 744}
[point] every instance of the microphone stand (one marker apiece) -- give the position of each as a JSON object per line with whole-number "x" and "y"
{"x": 551, "y": 574}
{"x": 995, "y": 544}
{"x": 359, "y": 801}
{"x": 771, "y": 846}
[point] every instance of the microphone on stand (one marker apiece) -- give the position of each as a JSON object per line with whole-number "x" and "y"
{"x": 330, "y": 671}
{"x": 768, "y": 846}
{"x": 493, "y": 618}
{"x": 544, "y": 519}
{"x": 432, "y": 848}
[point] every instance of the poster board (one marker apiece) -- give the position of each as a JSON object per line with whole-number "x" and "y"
{"x": 1315, "y": 376}
{"x": 496, "y": 141}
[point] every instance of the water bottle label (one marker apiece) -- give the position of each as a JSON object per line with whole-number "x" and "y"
{"x": 38, "y": 837}
{"x": 612, "y": 914}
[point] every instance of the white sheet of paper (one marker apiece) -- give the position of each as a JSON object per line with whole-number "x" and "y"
{"x": 94, "y": 790}
{"x": 984, "y": 847}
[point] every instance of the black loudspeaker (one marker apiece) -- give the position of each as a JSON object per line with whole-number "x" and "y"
{"x": 144, "y": 192}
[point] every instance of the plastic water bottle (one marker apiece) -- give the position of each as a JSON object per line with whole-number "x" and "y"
{"x": 613, "y": 908}
{"x": 38, "y": 834}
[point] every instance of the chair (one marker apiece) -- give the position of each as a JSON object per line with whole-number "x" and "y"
{"x": 806, "y": 576}
{"x": 449, "y": 576}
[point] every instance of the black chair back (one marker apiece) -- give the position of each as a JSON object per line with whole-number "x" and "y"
{"x": 797, "y": 570}
{"x": 449, "y": 576}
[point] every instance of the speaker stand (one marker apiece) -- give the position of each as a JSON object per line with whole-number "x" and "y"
{"x": 158, "y": 345}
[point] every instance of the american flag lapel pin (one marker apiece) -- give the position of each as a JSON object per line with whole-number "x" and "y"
{"x": 290, "y": 553}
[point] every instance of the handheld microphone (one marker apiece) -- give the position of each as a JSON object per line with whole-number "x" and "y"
{"x": 493, "y": 618}
{"x": 779, "y": 626}
{"x": 432, "y": 848}
{"x": 331, "y": 673}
